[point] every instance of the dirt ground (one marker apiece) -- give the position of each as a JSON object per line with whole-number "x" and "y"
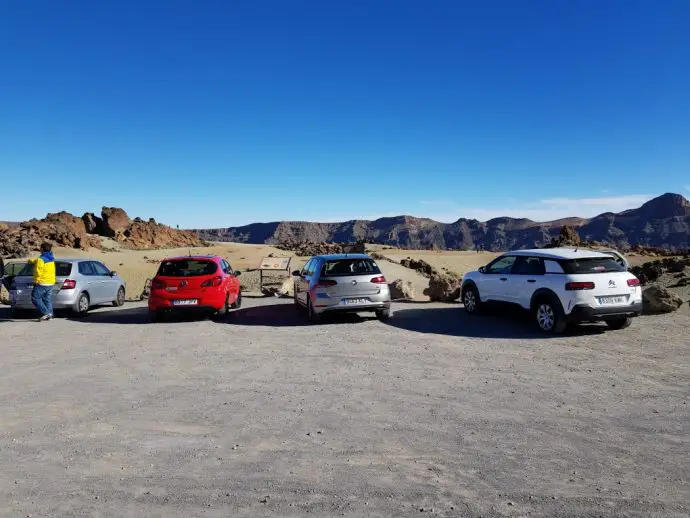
{"x": 435, "y": 412}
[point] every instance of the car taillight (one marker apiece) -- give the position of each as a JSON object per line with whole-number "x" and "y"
{"x": 69, "y": 284}
{"x": 633, "y": 282}
{"x": 157, "y": 284}
{"x": 215, "y": 282}
{"x": 379, "y": 280}
{"x": 325, "y": 284}
{"x": 576, "y": 286}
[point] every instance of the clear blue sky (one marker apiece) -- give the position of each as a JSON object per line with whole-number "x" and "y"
{"x": 218, "y": 113}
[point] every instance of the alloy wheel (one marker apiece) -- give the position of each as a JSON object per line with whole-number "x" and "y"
{"x": 545, "y": 317}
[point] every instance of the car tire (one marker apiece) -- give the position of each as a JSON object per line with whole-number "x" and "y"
{"x": 238, "y": 301}
{"x": 619, "y": 323}
{"x": 312, "y": 315}
{"x": 471, "y": 301}
{"x": 384, "y": 314}
{"x": 81, "y": 307}
{"x": 120, "y": 300}
{"x": 549, "y": 315}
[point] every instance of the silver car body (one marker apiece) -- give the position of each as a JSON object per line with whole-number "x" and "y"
{"x": 349, "y": 288}
{"x": 90, "y": 276}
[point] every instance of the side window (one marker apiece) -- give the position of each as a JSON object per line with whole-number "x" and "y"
{"x": 313, "y": 266}
{"x": 502, "y": 265}
{"x": 100, "y": 269}
{"x": 229, "y": 266}
{"x": 529, "y": 266}
{"x": 224, "y": 266}
{"x": 553, "y": 267}
{"x": 86, "y": 268}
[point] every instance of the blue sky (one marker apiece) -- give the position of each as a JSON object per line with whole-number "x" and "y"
{"x": 219, "y": 113}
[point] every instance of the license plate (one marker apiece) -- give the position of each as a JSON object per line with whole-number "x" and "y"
{"x": 185, "y": 302}
{"x": 355, "y": 301}
{"x": 615, "y": 299}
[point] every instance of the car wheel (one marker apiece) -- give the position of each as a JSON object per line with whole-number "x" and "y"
{"x": 238, "y": 301}
{"x": 549, "y": 315}
{"x": 120, "y": 300}
{"x": 619, "y": 323}
{"x": 81, "y": 307}
{"x": 471, "y": 301}
{"x": 225, "y": 309}
{"x": 312, "y": 315}
{"x": 384, "y": 314}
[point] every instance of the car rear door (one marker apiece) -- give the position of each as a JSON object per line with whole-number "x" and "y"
{"x": 527, "y": 275}
{"x": 108, "y": 284}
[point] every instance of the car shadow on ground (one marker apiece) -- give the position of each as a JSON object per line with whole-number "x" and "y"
{"x": 498, "y": 323}
{"x": 287, "y": 315}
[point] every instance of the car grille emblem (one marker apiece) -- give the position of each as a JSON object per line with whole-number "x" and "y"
{"x": 612, "y": 284}
{"x": 354, "y": 282}
{"x": 183, "y": 283}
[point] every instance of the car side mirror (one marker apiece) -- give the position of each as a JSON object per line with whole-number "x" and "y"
{"x": 482, "y": 269}
{"x": 238, "y": 273}
{"x": 113, "y": 274}
{"x": 297, "y": 273}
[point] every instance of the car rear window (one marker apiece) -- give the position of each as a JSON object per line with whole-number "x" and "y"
{"x": 592, "y": 265}
{"x": 345, "y": 267}
{"x": 62, "y": 269}
{"x": 187, "y": 268}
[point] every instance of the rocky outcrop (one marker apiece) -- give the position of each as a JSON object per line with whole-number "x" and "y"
{"x": 401, "y": 290}
{"x": 568, "y": 236}
{"x": 657, "y": 300}
{"x": 419, "y": 266}
{"x": 65, "y": 230}
{"x": 652, "y": 270}
{"x": 661, "y": 222}
{"x": 115, "y": 222}
{"x": 443, "y": 288}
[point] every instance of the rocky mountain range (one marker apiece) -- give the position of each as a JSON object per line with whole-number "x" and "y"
{"x": 661, "y": 222}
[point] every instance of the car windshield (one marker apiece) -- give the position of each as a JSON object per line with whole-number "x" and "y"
{"x": 336, "y": 267}
{"x": 592, "y": 265}
{"x": 187, "y": 268}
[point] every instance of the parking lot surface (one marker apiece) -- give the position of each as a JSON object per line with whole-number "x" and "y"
{"x": 261, "y": 414}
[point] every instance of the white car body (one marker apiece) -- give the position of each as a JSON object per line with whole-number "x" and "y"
{"x": 589, "y": 286}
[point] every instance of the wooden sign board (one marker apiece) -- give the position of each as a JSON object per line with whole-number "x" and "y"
{"x": 275, "y": 263}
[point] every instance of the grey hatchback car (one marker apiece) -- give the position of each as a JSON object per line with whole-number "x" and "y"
{"x": 80, "y": 285}
{"x": 342, "y": 283}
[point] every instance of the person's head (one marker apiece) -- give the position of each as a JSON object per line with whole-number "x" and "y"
{"x": 46, "y": 247}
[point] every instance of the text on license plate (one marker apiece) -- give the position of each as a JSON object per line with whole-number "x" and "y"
{"x": 615, "y": 299}
{"x": 355, "y": 301}
{"x": 185, "y": 302}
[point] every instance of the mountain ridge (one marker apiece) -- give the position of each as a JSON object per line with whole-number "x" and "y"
{"x": 663, "y": 221}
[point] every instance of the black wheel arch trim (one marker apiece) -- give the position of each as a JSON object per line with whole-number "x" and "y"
{"x": 544, "y": 292}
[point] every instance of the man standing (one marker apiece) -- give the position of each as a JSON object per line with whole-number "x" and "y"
{"x": 44, "y": 281}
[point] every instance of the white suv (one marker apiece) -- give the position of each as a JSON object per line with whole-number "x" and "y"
{"x": 558, "y": 285}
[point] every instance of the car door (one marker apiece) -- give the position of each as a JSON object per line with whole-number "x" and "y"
{"x": 91, "y": 282}
{"x": 108, "y": 284}
{"x": 495, "y": 279}
{"x": 527, "y": 276}
{"x": 303, "y": 281}
{"x": 233, "y": 283}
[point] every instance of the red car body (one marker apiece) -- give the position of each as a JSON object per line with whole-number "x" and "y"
{"x": 204, "y": 283}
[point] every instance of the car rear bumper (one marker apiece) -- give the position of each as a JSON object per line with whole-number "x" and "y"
{"x": 62, "y": 299}
{"x": 206, "y": 302}
{"x": 586, "y": 313}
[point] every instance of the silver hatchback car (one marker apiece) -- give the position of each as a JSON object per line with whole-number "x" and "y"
{"x": 81, "y": 284}
{"x": 342, "y": 283}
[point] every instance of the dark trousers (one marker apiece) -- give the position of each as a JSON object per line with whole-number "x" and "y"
{"x": 42, "y": 298}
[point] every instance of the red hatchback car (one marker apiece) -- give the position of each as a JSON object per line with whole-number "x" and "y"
{"x": 201, "y": 283}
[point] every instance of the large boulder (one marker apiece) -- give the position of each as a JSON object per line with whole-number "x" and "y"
{"x": 143, "y": 235}
{"x": 443, "y": 288}
{"x": 419, "y": 266}
{"x": 657, "y": 300}
{"x": 401, "y": 290}
{"x": 93, "y": 224}
{"x": 567, "y": 237}
{"x": 115, "y": 222}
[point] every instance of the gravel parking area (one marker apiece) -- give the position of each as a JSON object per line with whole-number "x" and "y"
{"x": 434, "y": 412}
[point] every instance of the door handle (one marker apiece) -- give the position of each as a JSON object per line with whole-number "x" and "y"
{"x": 531, "y": 280}
{"x": 504, "y": 278}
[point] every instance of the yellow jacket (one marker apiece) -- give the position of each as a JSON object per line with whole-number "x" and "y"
{"x": 44, "y": 269}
